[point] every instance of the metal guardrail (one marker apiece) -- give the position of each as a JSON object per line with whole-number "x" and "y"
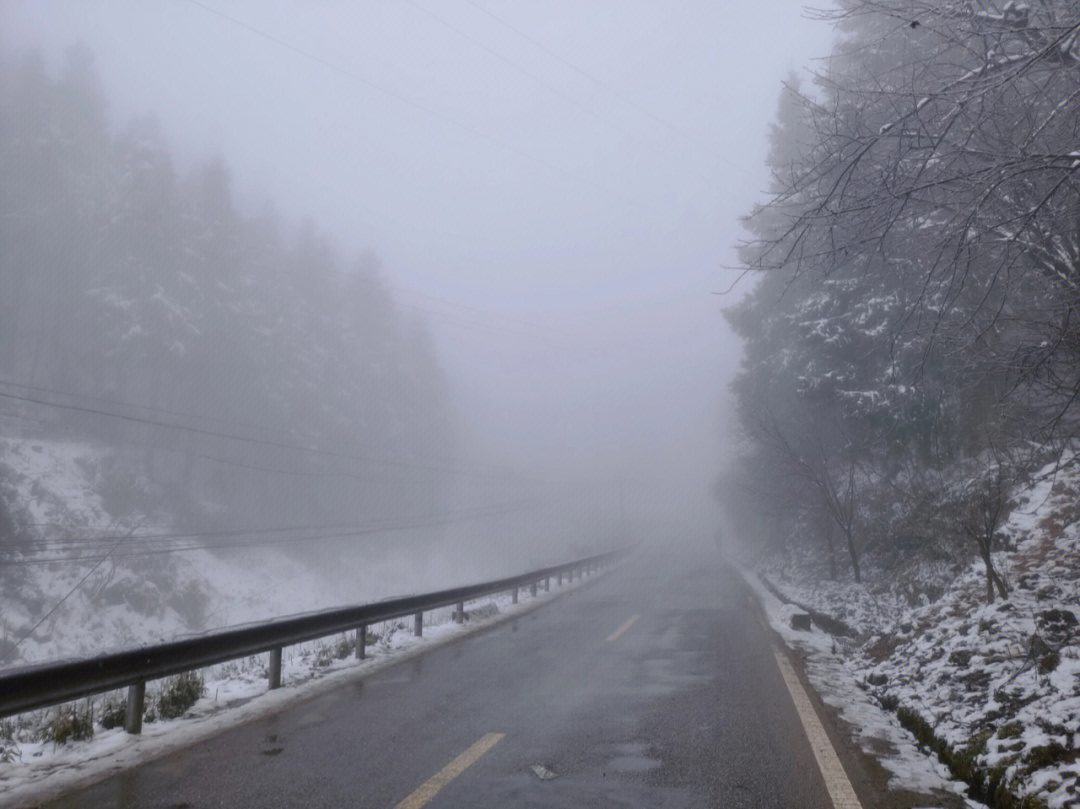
{"x": 40, "y": 686}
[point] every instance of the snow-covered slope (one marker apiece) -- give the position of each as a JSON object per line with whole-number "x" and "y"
{"x": 998, "y": 683}
{"x": 79, "y": 604}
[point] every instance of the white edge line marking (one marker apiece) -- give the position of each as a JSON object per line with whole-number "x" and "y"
{"x": 614, "y": 636}
{"x": 841, "y": 793}
{"x": 430, "y": 788}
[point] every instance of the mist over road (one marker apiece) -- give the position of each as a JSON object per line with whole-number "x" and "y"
{"x": 655, "y": 686}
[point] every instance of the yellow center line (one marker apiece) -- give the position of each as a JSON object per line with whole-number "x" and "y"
{"x": 430, "y": 788}
{"x": 614, "y": 636}
{"x": 836, "y": 781}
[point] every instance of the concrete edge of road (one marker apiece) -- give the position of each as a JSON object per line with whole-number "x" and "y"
{"x": 820, "y": 727}
{"x": 133, "y": 751}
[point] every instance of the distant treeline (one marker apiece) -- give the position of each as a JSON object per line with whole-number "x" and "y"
{"x": 913, "y": 339}
{"x": 136, "y": 295}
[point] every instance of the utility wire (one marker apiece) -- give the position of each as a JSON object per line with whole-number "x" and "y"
{"x": 148, "y": 408}
{"x": 262, "y": 441}
{"x": 386, "y": 91}
{"x": 545, "y": 84}
{"x": 387, "y": 527}
{"x": 197, "y": 417}
{"x": 299, "y": 472}
{"x": 60, "y": 603}
{"x": 83, "y": 541}
{"x": 598, "y": 82}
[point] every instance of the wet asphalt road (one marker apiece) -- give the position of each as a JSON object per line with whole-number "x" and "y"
{"x": 685, "y": 708}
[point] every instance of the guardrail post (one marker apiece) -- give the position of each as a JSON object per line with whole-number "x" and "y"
{"x": 136, "y": 700}
{"x": 418, "y": 623}
{"x": 513, "y": 596}
{"x": 273, "y": 669}
{"x": 532, "y": 589}
{"x": 459, "y": 615}
{"x": 560, "y": 578}
{"x": 361, "y": 641}
{"x": 547, "y": 584}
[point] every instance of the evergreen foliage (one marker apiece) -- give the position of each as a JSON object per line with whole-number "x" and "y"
{"x": 126, "y": 280}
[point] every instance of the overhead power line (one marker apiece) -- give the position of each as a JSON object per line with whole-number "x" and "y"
{"x": 524, "y": 71}
{"x": 598, "y": 82}
{"x": 147, "y": 408}
{"x": 430, "y": 521}
{"x": 168, "y": 536}
{"x": 386, "y": 91}
{"x": 266, "y": 442}
{"x": 100, "y": 561}
{"x": 244, "y": 424}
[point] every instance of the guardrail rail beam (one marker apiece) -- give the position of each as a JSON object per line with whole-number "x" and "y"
{"x": 37, "y": 686}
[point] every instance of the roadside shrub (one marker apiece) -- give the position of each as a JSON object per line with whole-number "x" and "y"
{"x": 69, "y": 724}
{"x": 112, "y": 715}
{"x": 9, "y": 748}
{"x": 960, "y": 658}
{"x": 344, "y": 647}
{"x": 178, "y": 694}
{"x": 1049, "y": 661}
{"x": 1046, "y": 755}
{"x": 9, "y": 751}
{"x": 386, "y": 637}
{"x": 964, "y": 762}
{"x": 1011, "y": 730}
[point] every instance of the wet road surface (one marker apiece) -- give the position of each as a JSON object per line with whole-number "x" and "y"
{"x": 655, "y": 686}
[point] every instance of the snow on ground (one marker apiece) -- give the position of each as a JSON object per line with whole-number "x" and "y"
{"x": 836, "y": 684}
{"x": 62, "y": 488}
{"x": 58, "y": 493}
{"x": 1000, "y": 680}
{"x": 234, "y": 692}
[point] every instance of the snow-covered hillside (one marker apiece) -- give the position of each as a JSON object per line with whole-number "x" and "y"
{"x": 56, "y": 493}
{"x": 994, "y": 687}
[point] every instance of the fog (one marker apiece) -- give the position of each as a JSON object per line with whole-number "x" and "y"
{"x": 548, "y": 193}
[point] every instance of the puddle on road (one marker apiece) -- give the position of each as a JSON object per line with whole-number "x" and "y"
{"x": 631, "y": 758}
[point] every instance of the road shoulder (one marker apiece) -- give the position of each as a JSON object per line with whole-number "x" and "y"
{"x": 884, "y": 763}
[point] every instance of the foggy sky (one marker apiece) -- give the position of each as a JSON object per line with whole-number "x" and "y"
{"x": 591, "y": 233}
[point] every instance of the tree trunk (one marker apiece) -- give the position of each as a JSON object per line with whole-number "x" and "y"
{"x": 831, "y": 549}
{"x": 853, "y": 553}
{"x": 993, "y": 579}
